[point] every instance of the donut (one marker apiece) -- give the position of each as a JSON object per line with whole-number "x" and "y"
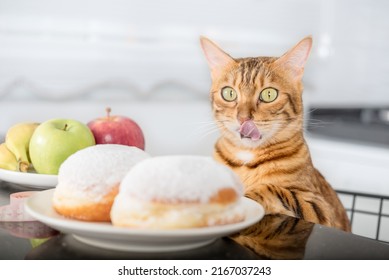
{"x": 178, "y": 192}
{"x": 89, "y": 179}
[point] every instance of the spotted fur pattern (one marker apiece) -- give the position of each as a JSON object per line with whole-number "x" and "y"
{"x": 276, "y": 237}
{"x": 277, "y": 169}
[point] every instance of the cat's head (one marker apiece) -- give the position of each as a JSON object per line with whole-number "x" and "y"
{"x": 258, "y": 100}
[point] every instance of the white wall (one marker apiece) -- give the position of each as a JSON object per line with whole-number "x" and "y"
{"x": 61, "y": 49}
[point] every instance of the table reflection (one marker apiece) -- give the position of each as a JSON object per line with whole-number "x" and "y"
{"x": 276, "y": 237}
{"x": 68, "y": 248}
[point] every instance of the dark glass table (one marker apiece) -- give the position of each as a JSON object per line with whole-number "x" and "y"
{"x": 274, "y": 237}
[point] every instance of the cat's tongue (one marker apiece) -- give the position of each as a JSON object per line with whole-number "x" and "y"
{"x": 249, "y": 130}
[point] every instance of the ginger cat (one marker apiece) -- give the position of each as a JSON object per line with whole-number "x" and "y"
{"x": 276, "y": 237}
{"x": 257, "y": 105}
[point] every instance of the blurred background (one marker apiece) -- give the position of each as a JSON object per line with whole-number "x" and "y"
{"x": 71, "y": 59}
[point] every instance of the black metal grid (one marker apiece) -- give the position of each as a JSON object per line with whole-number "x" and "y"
{"x": 379, "y": 214}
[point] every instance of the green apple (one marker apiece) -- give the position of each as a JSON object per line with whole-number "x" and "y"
{"x": 55, "y": 140}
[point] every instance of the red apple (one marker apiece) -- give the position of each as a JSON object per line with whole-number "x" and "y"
{"x": 117, "y": 130}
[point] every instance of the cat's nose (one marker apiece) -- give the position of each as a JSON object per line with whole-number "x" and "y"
{"x": 243, "y": 119}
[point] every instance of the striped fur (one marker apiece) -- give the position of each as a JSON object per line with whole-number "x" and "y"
{"x": 276, "y": 237}
{"x": 276, "y": 170}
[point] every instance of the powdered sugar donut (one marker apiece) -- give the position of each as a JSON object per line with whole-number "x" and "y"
{"x": 178, "y": 192}
{"x": 88, "y": 180}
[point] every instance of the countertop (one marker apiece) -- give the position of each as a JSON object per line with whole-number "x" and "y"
{"x": 274, "y": 237}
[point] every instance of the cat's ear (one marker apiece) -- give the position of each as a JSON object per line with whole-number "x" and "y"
{"x": 217, "y": 59}
{"x": 294, "y": 60}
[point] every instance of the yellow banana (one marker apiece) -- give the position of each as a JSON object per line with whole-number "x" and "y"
{"x": 17, "y": 141}
{"x": 7, "y": 159}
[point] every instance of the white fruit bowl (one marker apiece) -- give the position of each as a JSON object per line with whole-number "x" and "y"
{"x": 32, "y": 180}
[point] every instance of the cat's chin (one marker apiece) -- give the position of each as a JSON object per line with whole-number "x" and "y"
{"x": 248, "y": 142}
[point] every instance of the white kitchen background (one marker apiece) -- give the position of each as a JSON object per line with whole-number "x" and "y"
{"x": 71, "y": 59}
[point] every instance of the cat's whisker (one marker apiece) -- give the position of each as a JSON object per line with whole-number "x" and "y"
{"x": 202, "y": 129}
{"x": 209, "y": 127}
{"x": 311, "y": 119}
{"x": 316, "y": 124}
{"x": 208, "y": 133}
{"x": 205, "y": 129}
{"x": 204, "y": 123}
{"x": 319, "y": 122}
{"x": 311, "y": 110}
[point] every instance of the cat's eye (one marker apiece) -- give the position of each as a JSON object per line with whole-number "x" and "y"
{"x": 268, "y": 95}
{"x": 229, "y": 94}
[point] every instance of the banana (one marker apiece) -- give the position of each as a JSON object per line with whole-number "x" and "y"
{"x": 17, "y": 141}
{"x": 7, "y": 159}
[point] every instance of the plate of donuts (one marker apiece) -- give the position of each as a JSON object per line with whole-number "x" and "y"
{"x": 107, "y": 236}
{"x": 29, "y": 179}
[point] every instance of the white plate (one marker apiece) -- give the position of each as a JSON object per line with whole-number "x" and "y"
{"x": 104, "y": 235}
{"x": 33, "y": 180}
